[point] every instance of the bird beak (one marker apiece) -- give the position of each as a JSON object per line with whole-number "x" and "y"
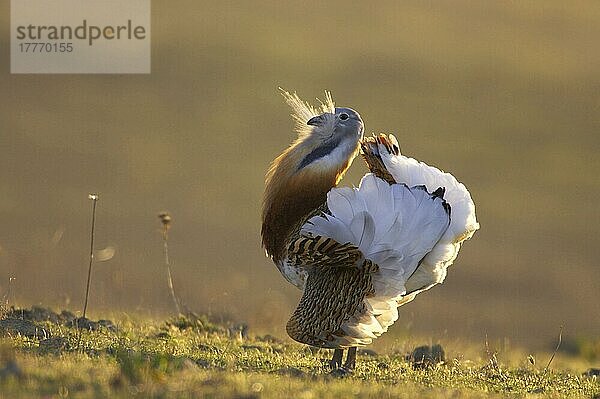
{"x": 315, "y": 120}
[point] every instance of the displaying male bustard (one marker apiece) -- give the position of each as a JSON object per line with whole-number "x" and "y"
{"x": 357, "y": 253}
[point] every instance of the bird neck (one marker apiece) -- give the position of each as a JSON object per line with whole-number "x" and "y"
{"x": 291, "y": 197}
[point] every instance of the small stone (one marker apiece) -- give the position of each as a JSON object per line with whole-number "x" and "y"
{"x": 109, "y": 325}
{"x": 67, "y": 316}
{"x": 593, "y": 372}
{"x": 36, "y": 313}
{"x": 427, "y": 356}
{"x": 43, "y": 314}
{"x": 24, "y": 327}
{"x": 83, "y": 323}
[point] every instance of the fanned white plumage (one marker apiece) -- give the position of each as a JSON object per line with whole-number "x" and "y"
{"x": 463, "y": 222}
{"x": 395, "y": 226}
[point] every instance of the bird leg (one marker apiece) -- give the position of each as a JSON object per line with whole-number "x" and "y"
{"x": 348, "y": 367}
{"x": 336, "y": 361}
{"x": 350, "y": 359}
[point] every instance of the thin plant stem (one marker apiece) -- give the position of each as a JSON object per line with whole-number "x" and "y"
{"x": 168, "y": 266}
{"x": 555, "y": 349}
{"x": 94, "y": 199}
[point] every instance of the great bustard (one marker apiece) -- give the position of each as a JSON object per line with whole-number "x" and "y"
{"x": 357, "y": 253}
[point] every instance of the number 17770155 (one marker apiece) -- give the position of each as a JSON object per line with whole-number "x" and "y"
{"x": 45, "y": 47}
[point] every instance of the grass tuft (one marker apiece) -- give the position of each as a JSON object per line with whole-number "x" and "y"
{"x": 195, "y": 356}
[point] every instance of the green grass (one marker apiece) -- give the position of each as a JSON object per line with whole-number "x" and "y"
{"x": 185, "y": 358}
{"x": 503, "y": 94}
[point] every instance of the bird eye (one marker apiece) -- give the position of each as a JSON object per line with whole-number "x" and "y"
{"x": 344, "y": 116}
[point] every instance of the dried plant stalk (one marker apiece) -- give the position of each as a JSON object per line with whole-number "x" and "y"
{"x": 94, "y": 198}
{"x": 166, "y": 219}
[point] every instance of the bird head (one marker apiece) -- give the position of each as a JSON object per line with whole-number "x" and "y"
{"x": 328, "y": 137}
{"x": 299, "y": 178}
{"x": 332, "y": 140}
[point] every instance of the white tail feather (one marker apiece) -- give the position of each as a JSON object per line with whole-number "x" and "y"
{"x": 393, "y": 226}
{"x": 463, "y": 223}
{"x": 403, "y": 229}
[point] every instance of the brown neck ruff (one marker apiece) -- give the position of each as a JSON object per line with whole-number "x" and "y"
{"x": 291, "y": 196}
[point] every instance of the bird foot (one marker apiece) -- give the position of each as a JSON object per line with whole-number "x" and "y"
{"x": 336, "y": 360}
{"x": 333, "y": 364}
{"x": 341, "y": 372}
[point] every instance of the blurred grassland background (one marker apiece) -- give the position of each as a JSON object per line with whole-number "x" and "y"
{"x": 503, "y": 94}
